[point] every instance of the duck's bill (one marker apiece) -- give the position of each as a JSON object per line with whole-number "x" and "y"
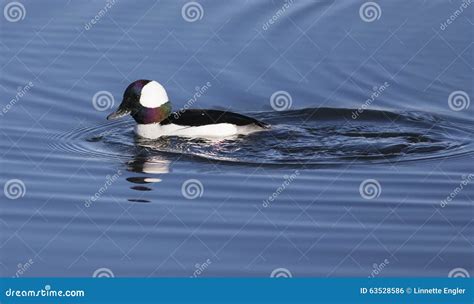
{"x": 117, "y": 114}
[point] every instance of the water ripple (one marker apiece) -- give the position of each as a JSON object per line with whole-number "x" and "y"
{"x": 303, "y": 137}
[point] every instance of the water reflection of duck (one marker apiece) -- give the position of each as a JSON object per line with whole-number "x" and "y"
{"x": 149, "y": 165}
{"x": 148, "y": 103}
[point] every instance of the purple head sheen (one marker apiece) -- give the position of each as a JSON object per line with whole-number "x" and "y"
{"x": 152, "y": 115}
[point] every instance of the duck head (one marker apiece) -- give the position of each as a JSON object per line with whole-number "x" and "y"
{"x": 146, "y": 101}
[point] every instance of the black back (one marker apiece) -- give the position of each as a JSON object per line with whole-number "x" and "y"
{"x": 197, "y": 117}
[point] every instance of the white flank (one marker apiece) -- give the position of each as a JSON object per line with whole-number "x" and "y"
{"x": 153, "y": 131}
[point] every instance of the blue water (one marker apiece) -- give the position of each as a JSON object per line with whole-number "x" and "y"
{"x": 353, "y": 178}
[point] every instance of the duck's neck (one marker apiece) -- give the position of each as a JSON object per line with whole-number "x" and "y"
{"x": 152, "y": 115}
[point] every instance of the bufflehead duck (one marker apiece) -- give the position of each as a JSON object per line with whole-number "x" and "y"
{"x": 148, "y": 103}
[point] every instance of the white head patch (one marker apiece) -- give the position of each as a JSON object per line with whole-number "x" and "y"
{"x": 153, "y": 95}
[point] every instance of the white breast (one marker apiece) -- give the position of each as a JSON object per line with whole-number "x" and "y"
{"x": 153, "y": 131}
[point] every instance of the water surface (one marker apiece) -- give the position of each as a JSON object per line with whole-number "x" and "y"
{"x": 343, "y": 184}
